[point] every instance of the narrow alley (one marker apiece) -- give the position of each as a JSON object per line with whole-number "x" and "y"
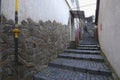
{"x": 59, "y": 40}
{"x": 83, "y": 63}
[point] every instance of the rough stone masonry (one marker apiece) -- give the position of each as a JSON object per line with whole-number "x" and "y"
{"x": 39, "y": 43}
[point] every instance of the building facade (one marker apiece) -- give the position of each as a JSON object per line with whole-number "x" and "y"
{"x": 108, "y": 31}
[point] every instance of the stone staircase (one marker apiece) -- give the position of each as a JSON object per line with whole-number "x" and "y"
{"x": 83, "y": 63}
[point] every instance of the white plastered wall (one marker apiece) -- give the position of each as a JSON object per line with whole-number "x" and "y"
{"x": 37, "y": 10}
{"x": 109, "y": 31}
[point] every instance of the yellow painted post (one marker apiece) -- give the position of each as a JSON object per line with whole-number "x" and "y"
{"x": 16, "y": 32}
{"x": 16, "y": 5}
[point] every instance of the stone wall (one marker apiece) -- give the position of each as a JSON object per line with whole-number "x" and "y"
{"x": 6, "y": 49}
{"x": 39, "y": 43}
{"x": 42, "y": 42}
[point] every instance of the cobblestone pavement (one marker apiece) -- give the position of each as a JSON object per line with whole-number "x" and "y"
{"x": 83, "y": 63}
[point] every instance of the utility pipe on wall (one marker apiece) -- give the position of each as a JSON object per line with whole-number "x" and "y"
{"x": 16, "y": 32}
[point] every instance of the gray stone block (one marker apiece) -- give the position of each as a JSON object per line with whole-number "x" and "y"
{"x": 87, "y": 48}
{"x": 52, "y": 73}
{"x": 83, "y": 51}
{"x": 81, "y": 65}
{"x": 90, "y": 57}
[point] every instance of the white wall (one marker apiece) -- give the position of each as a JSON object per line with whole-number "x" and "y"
{"x": 70, "y": 4}
{"x": 109, "y": 33}
{"x": 8, "y": 8}
{"x": 38, "y": 10}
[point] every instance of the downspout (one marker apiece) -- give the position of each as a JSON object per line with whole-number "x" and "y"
{"x": 97, "y": 12}
{"x": 96, "y": 20}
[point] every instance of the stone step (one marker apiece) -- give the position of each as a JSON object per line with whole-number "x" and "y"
{"x": 52, "y": 73}
{"x": 92, "y": 67}
{"x": 82, "y": 51}
{"x": 87, "y": 43}
{"x": 88, "y": 39}
{"x": 81, "y": 45}
{"x": 81, "y": 57}
{"x": 88, "y": 48}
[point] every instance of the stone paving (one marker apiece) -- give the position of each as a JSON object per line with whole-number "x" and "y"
{"x": 83, "y": 51}
{"x": 51, "y": 73}
{"x": 84, "y": 45}
{"x": 83, "y": 63}
{"x": 88, "y": 48}
{"x": 81, "y": 56}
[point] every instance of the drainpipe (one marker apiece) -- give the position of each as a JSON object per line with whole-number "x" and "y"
{"x": 16, "y": 32}
{"x": 97, "y": 12}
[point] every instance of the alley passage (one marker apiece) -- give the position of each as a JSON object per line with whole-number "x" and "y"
{"x": 83, "y": 63}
